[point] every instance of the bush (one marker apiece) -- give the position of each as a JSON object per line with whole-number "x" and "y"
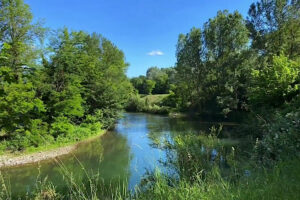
{"x": 275, "y": 83}
{"x": 61, "y": 127}
{"x": 155, "y": 109}
{"x": 62, "y": 131}
{"x": 135, "y": 104}
{"x": 281, "y": 139}
{"x": 19, "y": 141}
{"x": 106, "y": 117}
{"x": 170, "y": 101}
{"x": 38, "y": 134}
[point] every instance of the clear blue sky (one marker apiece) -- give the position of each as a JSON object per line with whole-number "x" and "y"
{"x": 146, "y": 30}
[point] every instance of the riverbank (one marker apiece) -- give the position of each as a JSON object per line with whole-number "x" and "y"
{"x": 44, "y": 153}
{"x": 157, "y": 104}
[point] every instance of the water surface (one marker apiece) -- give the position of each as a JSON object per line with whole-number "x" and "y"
{"x": 122, "y": 155}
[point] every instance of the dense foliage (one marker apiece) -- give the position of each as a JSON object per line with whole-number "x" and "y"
{"x": 248, "y": 66}
{"x": 216, "y": 62}
{"x": 156, "y": 81}
{"x": 246, "y": 70}
{"x": 63, "y": 91}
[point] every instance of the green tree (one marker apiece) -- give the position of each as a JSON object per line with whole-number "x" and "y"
{"x": 63, "y": 97}
{"x": 212, "y": 65}
{"x": 226, "y": 39}
{"x": 149, "y": 85}
{"x": 107, "y": 84}
{"x": 160, "y": 77}
{"x": 190, "y": 68}
{"x": 275, "y": 32}
{"x": 276, "y": 83}
{"x": 19, "y": 105}
{"x": 80, "y": 83}
{"x": 143, "y": 85}
{"x": 18, "y": 36}
{"x": 137, "y": 83}
{"x": 275, "y": 27}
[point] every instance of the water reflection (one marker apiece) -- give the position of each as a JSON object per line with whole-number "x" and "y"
{"x": 123, "y": 155}
{"x": 109, "y": 156}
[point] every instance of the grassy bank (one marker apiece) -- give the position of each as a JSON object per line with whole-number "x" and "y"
{"x": 63, "y": 144}
{"x": 281, "y": 182}
{"x": 148, "y": 104}
{"x": 195, "y": 181}
{"x": 159, "y": 104}
{"x": 155, "y": 99}
{"x": 33, "y": 155}
{"x": 52, "y": 145}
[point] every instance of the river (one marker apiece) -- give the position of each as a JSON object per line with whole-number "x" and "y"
{"x": 120, "y": 156}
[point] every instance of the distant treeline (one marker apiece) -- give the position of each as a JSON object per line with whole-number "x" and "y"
{"x": 156, "y": 81}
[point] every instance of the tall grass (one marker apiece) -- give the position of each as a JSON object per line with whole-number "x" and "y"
{"x": 200, "y": 176}
{"x": 88, "y": 186}
{"x": 282, "y": 182}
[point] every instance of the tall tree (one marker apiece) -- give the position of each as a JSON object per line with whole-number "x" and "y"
{"x": 160, "y": 77}
{"x": 63, "y": 97}
{"x": 19, "y": 105}
{"x": 212, "y": 65}
{"x": 86, "y": 75}
{"x": 109, "y": 85}
{"x": 18, "y": 36}
{"x": 226, "y": 39}
{"x": 190, "y": 67}
{"x": 274, "y": 27}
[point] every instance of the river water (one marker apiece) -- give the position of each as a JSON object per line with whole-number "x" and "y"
{"x": 120, "y": 156}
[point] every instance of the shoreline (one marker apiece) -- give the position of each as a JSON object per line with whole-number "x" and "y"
{"x": 182, "y": 115}
{"x": 11, "y": 160}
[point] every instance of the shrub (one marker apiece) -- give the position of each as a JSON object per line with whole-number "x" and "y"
{"x": 38, "y": 134}
{"x": 19, "y": 141}
{"x": 135, "y": 104}
{"x": 61, "y": 126}
{"x": 275, "y": 83}
{"x": 106, "y": 117}
{"x": 155, "y": 109}
{"x": 281, "y": 139}
{"x": 170, "y": 101}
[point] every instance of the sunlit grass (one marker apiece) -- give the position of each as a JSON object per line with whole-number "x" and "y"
{"x": 203, "y": 181}
{"x": 52, "y": 146}
{"x": 282, "y": 182}
{"x": 154, "y": 99}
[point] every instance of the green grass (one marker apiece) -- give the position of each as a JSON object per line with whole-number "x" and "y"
{"x": 52, "y": 146}
{"x": 153, "y": 104}
{"x": 197, "y": 180}
{"x": 148, "y": 104}
{"x": 200, "y": 178}
{"x": 154, "y": 99}
{"x": 63, "y": 144}
{"x": 281, "y": 182}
